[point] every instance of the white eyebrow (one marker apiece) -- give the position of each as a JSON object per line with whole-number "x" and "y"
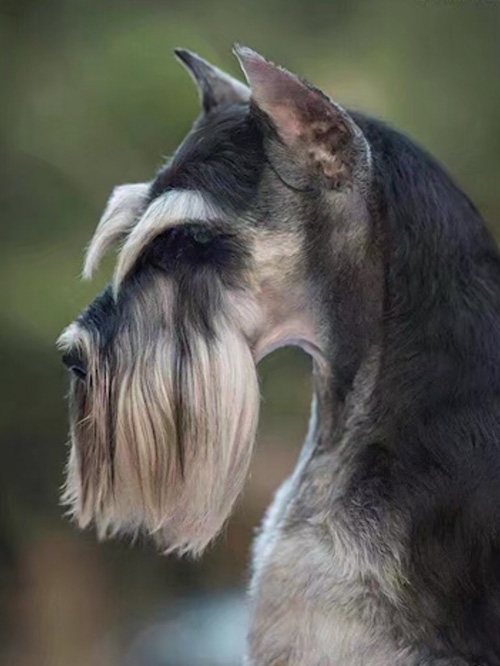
{"x": 169, "y": 210}
{"x": 121, "y": 213}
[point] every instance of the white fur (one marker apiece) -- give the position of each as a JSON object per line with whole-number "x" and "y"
{"x": 127, "y": 476}
{"x": 120, "y": 215}
{"x": 170, "y": 209}
{"x": 323, "y": 579}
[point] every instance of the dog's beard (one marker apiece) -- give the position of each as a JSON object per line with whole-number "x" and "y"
{"x": 162, "y": 434}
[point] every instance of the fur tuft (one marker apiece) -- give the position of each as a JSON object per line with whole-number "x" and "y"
{"x": 121, "y": 213}
{"x": 163, "y": 434}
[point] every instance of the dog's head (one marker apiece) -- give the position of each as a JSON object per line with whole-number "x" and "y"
{"x": 218, "y": 265}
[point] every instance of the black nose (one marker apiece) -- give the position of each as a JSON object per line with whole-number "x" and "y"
{"x": 73, "y": 361}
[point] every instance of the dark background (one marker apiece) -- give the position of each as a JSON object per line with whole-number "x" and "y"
{"x": 92, "y": 97}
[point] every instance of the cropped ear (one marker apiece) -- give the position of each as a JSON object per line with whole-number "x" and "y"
{"x": 216, "y": 88}
{"x": 320, "y": 133}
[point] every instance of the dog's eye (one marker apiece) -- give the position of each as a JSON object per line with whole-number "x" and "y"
{"x": 193, "y": 245}
{"x": 187, "y": 244}
{"x": 202, "y": 235}
{"x": 196, "y": 242}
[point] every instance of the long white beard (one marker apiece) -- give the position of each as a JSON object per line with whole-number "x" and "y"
{"x": 162, "y": 437}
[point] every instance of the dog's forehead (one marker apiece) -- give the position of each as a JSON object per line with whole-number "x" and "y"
{"x": 222, "y": 158}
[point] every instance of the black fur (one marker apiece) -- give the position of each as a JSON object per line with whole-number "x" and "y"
{"x": 222, "y": 157}
{"x": 101, "y": 317}
{"x": 433, "y": 451}
{"x": 437, "y": 420}
{"x": 197, "y": 248}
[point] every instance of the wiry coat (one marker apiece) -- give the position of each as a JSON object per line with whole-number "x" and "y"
{"x": 387, "y": 537}
{"x": 291, "y": 221}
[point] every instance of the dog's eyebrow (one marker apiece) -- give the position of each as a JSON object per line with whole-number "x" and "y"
{"x": 121, "y": 213}
{"x": 170, "y": 209}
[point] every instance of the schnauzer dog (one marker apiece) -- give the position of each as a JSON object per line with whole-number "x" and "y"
{"x": 283, "y": 219}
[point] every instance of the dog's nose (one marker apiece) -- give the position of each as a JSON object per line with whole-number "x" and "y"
{"x": 74, "y": 362}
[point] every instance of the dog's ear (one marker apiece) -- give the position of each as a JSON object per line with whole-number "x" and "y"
{"x": 216, "y": 88}
{"x": 320, "y": 133}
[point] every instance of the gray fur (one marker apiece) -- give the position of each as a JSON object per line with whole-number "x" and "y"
{"x": 268, "y": 228}
{"x": 327, "y": 577}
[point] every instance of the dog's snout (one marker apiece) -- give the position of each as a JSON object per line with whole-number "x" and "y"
{"x": 75, "y": 363}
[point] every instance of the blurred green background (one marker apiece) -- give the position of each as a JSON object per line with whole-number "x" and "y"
{"x": 92, "y": 97}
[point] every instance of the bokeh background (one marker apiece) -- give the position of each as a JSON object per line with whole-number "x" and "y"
{"x": 92, "y": 97}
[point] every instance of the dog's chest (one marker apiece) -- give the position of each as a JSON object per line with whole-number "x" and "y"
{"x": 324, "y": 591}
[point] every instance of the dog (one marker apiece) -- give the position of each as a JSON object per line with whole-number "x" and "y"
{"x": 284, "y": 219}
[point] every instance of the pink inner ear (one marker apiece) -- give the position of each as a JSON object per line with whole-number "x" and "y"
{"x": 287, "y": 121}
{"x": 291, "y": 104}
{"x": 306, "y": 120}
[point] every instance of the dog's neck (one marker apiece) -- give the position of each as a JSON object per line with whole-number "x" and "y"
{"x": 349, "y": 304}
{"x": 342, "y": 399}
{"x": 413, "y": 326}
